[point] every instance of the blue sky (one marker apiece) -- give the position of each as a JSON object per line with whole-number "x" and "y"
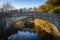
{"x": 24, "y": 3}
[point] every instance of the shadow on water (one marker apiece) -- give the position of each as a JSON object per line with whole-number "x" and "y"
{"x": 25, "y": 35}
{"x": 20, "y": 35}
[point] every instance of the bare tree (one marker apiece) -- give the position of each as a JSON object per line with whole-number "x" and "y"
{"x": 6, "y": 7}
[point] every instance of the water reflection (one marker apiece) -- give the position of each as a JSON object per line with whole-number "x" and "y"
{"x": 23, "y": 36}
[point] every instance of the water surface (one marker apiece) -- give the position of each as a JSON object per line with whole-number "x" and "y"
{"x": 20, "y": 35}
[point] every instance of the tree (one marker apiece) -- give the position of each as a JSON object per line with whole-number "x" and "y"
{"x": 51, "y": 6}
{"x": 41, "y": 9}
{"x": 6, "y": 7}
{"x": 52, "y": 11}
{"x": 30, "y": 9}
{"x": 53, "y": 2}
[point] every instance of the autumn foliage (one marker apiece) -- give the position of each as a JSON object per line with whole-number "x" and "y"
{"x": 51, "y": 6}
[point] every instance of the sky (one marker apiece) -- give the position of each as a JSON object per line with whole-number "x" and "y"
{"x": 24, "y": 3}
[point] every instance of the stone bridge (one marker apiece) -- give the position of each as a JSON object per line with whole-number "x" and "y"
{"x": 53, "y": 18}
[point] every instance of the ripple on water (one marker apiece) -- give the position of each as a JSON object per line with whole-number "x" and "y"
{"x": 23, "y": 36}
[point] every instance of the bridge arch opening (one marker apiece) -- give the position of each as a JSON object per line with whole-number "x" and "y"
{"x": 27, "y": 23}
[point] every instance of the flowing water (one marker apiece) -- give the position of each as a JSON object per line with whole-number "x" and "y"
{"x": 20, "y": 35}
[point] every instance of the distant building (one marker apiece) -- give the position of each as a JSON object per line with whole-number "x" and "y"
{"x": 34, "y": 9}
{"x": 26, "y": 10}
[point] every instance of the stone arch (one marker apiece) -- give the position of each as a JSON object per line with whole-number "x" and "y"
{"x": 28, "y": 18}
{"x": 34, "y": 18}
{"x": 48, "y": 23}
{"x": 42, "y": 18}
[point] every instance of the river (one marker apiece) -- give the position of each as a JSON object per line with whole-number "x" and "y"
{"x": 21, "y": 35}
